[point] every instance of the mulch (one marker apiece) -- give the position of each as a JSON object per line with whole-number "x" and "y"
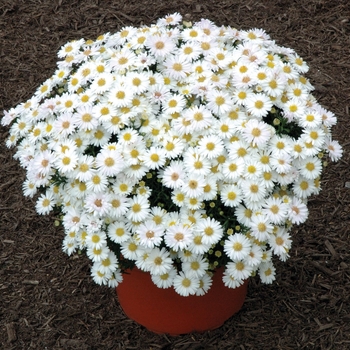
{"x": 49, "y": 301}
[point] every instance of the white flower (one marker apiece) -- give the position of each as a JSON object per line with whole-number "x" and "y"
{"x": 230, "y": 281}
{"x": 118, "y": 232}
{"x": 256, "y": 132}
{"x": 261, "y": 227}
{"x": 195, "y": 267}
{"x": 231, "y": 195}
{"x": 139, "y": 208}
{"x": 164, "y": 280}
{"x": 219, "y": 102}
{"x": 45, "y": 203}
{"x": 334, "y": 150}
{"x": 109, "y": 162}
{"x": 159, "y": 262}
{"x": 298, "y": 211}
{"x": 150, "y": 234}
{"x": 210, "y": 229}
{"x": 258, "y": 105}
{"x": 177, "y": 67}
{"x": 178, "y": 237}
{"x": 267, "y": 272}
{"x": 237, "y": 247}
{"x": 280, "y": 242}
{"x": 310, "y": 167}
{"x": 210, "y": 146}
{"x": 239, "y": 269}
{"x": 154, "y": 157}
{"x": 98, "y": 204}
{"x": 185, "y": 285}
{"x": 303, "y": 187}
{"x": 275, "y": 210}
{"x": 193, "y": 185}
{"x": 160, "y": 45}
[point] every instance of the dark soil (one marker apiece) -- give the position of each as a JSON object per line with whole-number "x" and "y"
{"x": 49, "y": 301}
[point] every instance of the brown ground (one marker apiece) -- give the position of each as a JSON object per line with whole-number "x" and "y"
{"x": 49, "y": 301}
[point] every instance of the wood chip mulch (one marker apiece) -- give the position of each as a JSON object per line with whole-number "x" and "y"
{"x": 49, "y": 301}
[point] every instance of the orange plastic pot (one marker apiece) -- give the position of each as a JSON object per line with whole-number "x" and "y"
{"x": 165, "y": 311}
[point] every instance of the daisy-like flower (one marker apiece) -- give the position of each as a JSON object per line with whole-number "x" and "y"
{"x": 120, "y": 95}
{"x": 230, "y": 281}
{"x": 267, "y": 272}
{"x": 150, "y": 234}
{"x": 185, "y": 285}
{"x": 97, "y": 254}
{"x": 84, "y": 119}
{"x": 193, "y": 185}
{"x": 139, "y": 208}
{"x": 254, "y": 257}
{"x": 154, "y": 157}
{"x": 174, "y": 104}
{"x": 274, "y": 85}
{"x": 98, "y": 204}
{"x": 159, "y": 262}
{"x": 138, "y": 82}
{"x": 131, "y": 249}
{"x": 256, "y": 132}
{"x": 97, "y": 183}
{"x": 109, "y": 162}
{"x": 195, "y": 267}
{"x": 164, "y": 280}
{"x": 109, "y": 264}
{"x": 237, "y": 246}
{"x": 44, "y": 162}
{"x": 118, "y": 232}
{"x": 304, "y": 188}
{"x": 210, "y": 146}
{"x": 119, "y": 205}
{"x": 98, "y": 276}
{"x": 294, "y": 109}
{"x": 200, "y": 117}
{"x": 205, "y": 283}
{"x": 253, "y": 190}
{"x": 177, "y": 67}
{"x": 178, "y": 237}
{"x": 84, "y": 169}
{"x": 298, "y": 212}
{"x": 280, "y": 242}
{"x": 219, "y": 102}
{"x": 102, "y": 83}
{"x": 259, "y": 105}
{"x": 231, "y": 195}
{"x": 160, "y": 45}
{"x": 275, "y": 210}
{"x": 122, "y": 60}
{"x": 233, "y": 169}
{"x": 334, "y": 149}
{"x": 67, "y": 161}
{"x": 310, "y": 167}
{"x": 239, "y": 269}
{"x": 196, "y": 164}
{"x": 45, "y": 203}
{"x": 210, "y": 229}
{"x": 173, "y": 175}
{"x": 261, "y": 227}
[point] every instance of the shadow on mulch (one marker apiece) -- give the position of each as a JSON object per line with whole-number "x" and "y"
{"x": 48, "y": 300}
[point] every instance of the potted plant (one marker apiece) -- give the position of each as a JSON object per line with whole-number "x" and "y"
{"x": 175, "y": 155}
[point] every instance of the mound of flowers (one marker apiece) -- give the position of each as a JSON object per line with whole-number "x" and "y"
{"x": 176, "y": 148}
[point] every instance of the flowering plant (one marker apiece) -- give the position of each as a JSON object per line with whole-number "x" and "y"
{"x": 175, "y": 147}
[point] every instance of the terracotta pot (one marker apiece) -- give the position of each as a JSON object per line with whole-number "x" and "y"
{"x": 165, "y": 311}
